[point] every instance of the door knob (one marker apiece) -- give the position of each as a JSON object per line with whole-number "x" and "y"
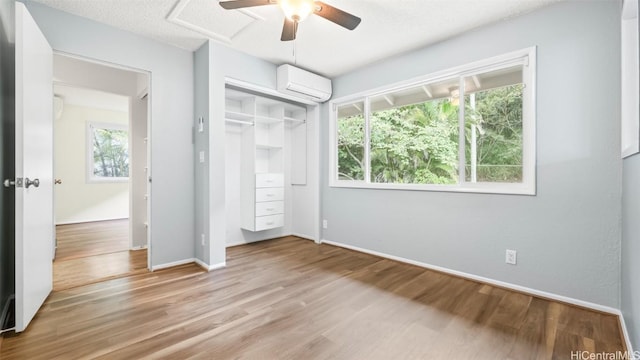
{"x": 28, "y": 182}
{"x": 58, "y": 181}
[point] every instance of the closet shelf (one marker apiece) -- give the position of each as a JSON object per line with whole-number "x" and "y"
{"x": 242, "y": 122}
{"x": 234, "y": 115}
{"x": 288, "y": 118}
{"x": 268, "y": 147}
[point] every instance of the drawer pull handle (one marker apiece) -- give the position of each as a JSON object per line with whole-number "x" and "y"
{"x": 270, "y": 195}
{"x": 270, "y": 209}
{"x": 270, "y": 223}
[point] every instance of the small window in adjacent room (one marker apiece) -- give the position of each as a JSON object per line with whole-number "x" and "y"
{"x": 107, "y": 152}
{"x": 469, "y": 129}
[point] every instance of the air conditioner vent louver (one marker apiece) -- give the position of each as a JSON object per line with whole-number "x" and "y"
{"x": 299, "y": 82}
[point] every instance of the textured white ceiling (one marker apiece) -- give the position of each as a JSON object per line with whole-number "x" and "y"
{"x": 388, "y": 26}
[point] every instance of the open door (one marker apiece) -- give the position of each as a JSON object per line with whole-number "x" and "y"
{"x": 34, "y": 168}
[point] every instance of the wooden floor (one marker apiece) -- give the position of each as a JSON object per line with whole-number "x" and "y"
{"x": 292, "y": 299}
{"x": 94, "y": 252}
{"x": 91, "y": 238}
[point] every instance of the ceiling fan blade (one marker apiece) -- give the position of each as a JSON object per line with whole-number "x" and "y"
{"x": 289, "y": 30}
{"x": 337, "y": 16}
{"x": 239, "y": 4}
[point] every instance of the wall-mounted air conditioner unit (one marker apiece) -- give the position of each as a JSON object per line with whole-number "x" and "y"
{"x": 298, "y": 82}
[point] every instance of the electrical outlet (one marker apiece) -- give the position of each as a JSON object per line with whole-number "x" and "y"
{"x": 201, "y": 156}
{"x": 511, "y": 257}
{"x": 325, "y": 224}
{"x": 202, "y": 239}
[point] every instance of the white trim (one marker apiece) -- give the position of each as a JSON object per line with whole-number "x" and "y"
{"x": 305, "y": 237}
{"x": 207, "y": 267}
{"x": 525, "y": 57}
{"x": 625, "y": 333}
{"x": 88, "y": 221}
{"x": 172, "y": 264}
{"x": 240, "y": 243}
{"x": 137, "y": 248}
{"x": 477, "y": 188}
{"x": 267, "y": 91}
{"x": 523, "y": 289}
{"x": 5, "y": 310}
{"x": 174, "y": 17}
{"x": 492, "y": 63}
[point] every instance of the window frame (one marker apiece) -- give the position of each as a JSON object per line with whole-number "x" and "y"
{"x": 90, "y": 176}
{"x": 525, "y": 57}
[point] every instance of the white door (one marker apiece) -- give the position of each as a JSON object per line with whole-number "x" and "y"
{"x": 34, "y": 161}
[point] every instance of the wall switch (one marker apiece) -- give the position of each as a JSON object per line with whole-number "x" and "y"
{"x": 324, "y": 224}
{"x": 511, "y": 257}
{"x": 201, "y": 156}
{"x": 202, "y": 239}
{"x": 200, "y": 124}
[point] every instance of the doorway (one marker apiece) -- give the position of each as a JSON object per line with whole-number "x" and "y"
{"x": 101, "y": 150}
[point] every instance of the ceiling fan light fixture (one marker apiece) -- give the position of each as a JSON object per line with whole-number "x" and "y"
{"x": 297, "y": 10}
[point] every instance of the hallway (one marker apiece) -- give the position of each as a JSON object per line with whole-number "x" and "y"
{"x": 93, "y": 252}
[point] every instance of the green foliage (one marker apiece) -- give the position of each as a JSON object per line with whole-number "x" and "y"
{"x": 418, "y": 143}
{"x": 415, "y": 144}
{"x": 110, "y": 153}
{"x": 498, "y": 118}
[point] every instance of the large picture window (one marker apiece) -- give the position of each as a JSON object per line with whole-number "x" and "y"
{"x": 465, "y": 129}
{"x": 107, "y": 152}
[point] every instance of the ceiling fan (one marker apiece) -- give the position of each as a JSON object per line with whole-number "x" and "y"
{"x": 296, "y": 11}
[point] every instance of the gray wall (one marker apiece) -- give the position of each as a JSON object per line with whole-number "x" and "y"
{"x": 201, "y": 84}
{"x": 631, "y": 247}
{"x": 171, "y": 97}
{"x": 568, "y": 235}
{"x": 214, "y": 63}
{"x": 226, "y": 62}
{"x": 7, "y": 153}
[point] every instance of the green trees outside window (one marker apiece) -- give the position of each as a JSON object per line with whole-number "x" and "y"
{"x": 110, "y": 152}
{"x": 419, "y": 143}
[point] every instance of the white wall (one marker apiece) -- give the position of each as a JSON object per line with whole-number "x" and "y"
{"x": 76, "y": 200}
{"x": 171, "y": 111}
{"x": 568, "y": 235}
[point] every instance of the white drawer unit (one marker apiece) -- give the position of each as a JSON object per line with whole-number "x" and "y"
{"x": 269, "y": 222}
{"x": 269, "y": 194}
{"x": 269, "y": 208}
{"x": 267, "y": 180}
{"x": 265, "y": 127}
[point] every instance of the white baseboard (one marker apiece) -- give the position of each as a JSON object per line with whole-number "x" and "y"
{"x": 189, "y": 261}
{"x": 5, "y": 310}
{"x": 87, "y": 221}
{"x": 172, "y": 264}
{"x": 625, "y": 333}
{"x": 207, "y": 267}
{"x": 304, "y": 236}
{"x": 238, "y": 243}
{"x": 136, "y": 248}
{"x": 523, "y": 289}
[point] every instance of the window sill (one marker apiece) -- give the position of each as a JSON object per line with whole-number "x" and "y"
{"x": 479, "y": 188}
